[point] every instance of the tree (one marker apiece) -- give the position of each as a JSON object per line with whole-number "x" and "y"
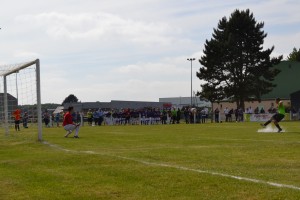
{"x": 234, "y": 62}
{"x": 294, "y": 56}
{"x": 70, "y": 99}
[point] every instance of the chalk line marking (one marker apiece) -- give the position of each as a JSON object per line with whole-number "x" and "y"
{"x": 279, "y": 185}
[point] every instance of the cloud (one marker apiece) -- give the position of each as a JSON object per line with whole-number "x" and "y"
{"x": 277, "y": 12}
{"x": 287, "y": 42}
{"x": 135, "y": 90}
{"x": 25, "y": 55}
{"x": 103, "y": 50}
{"x": 152, "y": 71}
{"x": 146, "y": 81}
{"x": 99, "y": 26}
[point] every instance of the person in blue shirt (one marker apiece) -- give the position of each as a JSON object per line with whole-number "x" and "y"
{"x": 96, "y": 117}
{"x": 101, "y": 117}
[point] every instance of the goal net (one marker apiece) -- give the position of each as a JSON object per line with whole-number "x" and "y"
{"x": 20, "y": 98}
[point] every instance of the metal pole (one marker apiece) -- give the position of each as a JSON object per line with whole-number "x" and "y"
{"x": 191, "y": 59}
{"x": 5, "y": 106}
{"x": 191, "y": 82}
{"x": 38, "y": 97}
{"x": 17, "y": 88}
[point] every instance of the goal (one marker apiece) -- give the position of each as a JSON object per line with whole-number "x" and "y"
{"x": 20, "y": 90}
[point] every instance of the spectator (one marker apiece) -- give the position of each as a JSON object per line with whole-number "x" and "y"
{"x": 178, "y": 116}
{"x": 174, "y": 115}
{"x": 186, "y": 116}
{"x": 25, "y": 120}
{"x": 78, "y": 117}
{"x": 52, "y": 120}
{"x": 46, "y": 118}
{"x": 74, "y": 117}
{"x": 241, "y": 115}
{"x": 164, "y": 116}
{"x": 256, "y": 111}
{"x": 217, "y": 112}
{"x": 236, "y": 114}
{"x": 226, "y": 112}
{"x": 96, "y": 117}
{"x": 17, "y": 116}
{"x": 203, "y": 116}
{"x": 126, "y": 115}
{"x": 230, "y": 115}
{"x": 57, "y": 118}
{"x": 250, "y": 111}
{"x": 90, "y": 117}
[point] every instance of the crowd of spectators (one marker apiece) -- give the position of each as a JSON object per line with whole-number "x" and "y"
{"x": 152, "y": 116}
{"x": 145, "y": 116}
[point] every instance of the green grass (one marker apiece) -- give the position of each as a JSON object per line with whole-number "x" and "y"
{"x": 152, "y": 162}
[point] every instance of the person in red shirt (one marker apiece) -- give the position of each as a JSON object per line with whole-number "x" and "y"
{"x": 17, "y": 116}
{"x": 68, "y": 123}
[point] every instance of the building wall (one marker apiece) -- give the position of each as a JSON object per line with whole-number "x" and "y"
{"x": 286, "y": 80}
{"x": 12, "y": 103}
{"x": 265, "y": 104}
{"x": 185, "y": 101}
{"x": 84, "y": 106}
{"x": 295, "y": 100}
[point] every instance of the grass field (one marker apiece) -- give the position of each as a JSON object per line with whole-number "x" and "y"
{"x": 201, "y": 161}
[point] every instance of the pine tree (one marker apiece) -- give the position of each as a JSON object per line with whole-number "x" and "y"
{"x": 234, "y": 62}
{"x": 295, "y": 55}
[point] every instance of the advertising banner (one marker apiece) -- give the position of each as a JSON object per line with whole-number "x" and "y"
{"x": 260, "y": 117}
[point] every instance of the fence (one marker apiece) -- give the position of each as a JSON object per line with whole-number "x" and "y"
{"x": 258, "y": 117}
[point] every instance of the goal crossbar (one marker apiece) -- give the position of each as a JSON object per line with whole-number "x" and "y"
{"x": 6, "y": 70}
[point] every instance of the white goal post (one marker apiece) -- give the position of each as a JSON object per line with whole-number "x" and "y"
{"x": 21, "y": 89}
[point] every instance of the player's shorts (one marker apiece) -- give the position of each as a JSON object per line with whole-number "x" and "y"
{"x": 278, "y": 117}
{"x": 17, "y": 121}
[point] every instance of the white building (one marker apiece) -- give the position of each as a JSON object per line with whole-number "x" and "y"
{"x": 179, "y": 102}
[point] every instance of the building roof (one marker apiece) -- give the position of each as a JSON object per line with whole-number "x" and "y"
{"x": 9, "y": 97}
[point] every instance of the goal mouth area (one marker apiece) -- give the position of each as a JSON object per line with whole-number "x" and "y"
{"x": 20, "y": 92}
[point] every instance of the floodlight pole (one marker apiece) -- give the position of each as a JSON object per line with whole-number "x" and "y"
{"x": 191, "y": 59}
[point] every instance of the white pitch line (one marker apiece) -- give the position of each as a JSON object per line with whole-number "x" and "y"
{"x": 279, "y": 185}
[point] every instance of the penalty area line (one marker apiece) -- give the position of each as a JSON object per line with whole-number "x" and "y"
{"x": 279, "y": 185}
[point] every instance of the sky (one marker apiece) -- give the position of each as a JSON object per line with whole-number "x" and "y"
{"x": 103, "y": 50}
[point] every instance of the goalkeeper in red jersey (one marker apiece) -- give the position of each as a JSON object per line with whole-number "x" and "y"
{"x": 69, "y": 125}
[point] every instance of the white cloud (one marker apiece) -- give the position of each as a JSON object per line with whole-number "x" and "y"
{"x": 285, "y": 46}
{"x": 150, "y": 70}
{"x": 27, "y": 56}
{"x": 98, "y": 26}
{"x": 141, "y": 81}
